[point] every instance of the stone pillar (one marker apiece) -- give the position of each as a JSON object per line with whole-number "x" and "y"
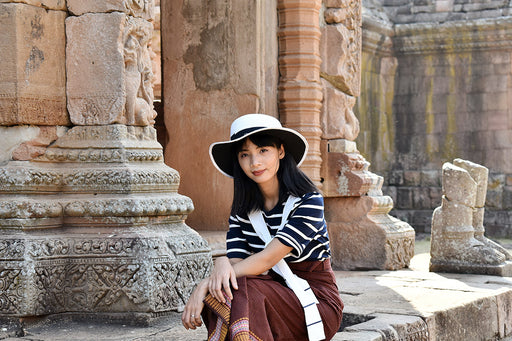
{"x": 300, "y": 92}
{"x": 94, "y": 226}
{"x": 458, "y": 243}
{"x": 363, "y": 235}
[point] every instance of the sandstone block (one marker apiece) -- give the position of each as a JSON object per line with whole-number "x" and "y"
{"x": 412, "y": 178}
{"x": 341, "y": 57}
{"x": 338, "y": 119}
{"x": 47, "y": 4}
{"x": 142, "y": 9}
{"x": 335, "y": 15}
{"x": 109, "y": 77}
{"x": 364, "y": 236}
{"x": 32, "y": 51}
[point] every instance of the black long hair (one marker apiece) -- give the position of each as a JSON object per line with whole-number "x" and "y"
{"x": 247, "y": 196}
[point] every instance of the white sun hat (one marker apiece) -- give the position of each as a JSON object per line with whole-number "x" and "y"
{"x": 222, "y": 153}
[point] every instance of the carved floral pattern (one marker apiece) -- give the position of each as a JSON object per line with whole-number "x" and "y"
{"x": 86, "y": 287}
{"x": 174, "y": 282}
{"x": 11, "y": 296}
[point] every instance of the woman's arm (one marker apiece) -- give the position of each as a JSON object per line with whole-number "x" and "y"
{"x": 255, "y": 264}
{"x": 262, "y": 261}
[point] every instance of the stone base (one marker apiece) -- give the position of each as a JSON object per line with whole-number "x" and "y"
{"x": 364, "y": 236}
{"x": 503, "y": 270}
{"x": 143, "y": 271}
{"x": 95, "y": 227}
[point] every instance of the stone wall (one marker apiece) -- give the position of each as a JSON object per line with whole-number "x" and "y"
{"x": 219, "y": 62}
{"x": 450, "y": 85}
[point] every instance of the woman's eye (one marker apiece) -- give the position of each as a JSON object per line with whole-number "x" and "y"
{"x": 263, "y": 150}
{"x": 243, "y": 155}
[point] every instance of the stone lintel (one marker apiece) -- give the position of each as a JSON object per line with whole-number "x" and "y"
{"x": 455, "y": 36}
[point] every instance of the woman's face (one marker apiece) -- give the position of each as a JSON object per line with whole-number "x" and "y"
{"x": 260, "y": 164}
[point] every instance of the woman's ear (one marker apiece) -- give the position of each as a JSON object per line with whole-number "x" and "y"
{"x": 281, "y": 152}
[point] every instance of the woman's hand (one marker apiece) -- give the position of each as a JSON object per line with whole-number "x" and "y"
{"x": 191, "y": 317}
{"x": 223, "y": 274}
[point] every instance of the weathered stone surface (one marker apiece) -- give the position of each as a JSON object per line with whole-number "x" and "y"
{"x": 156, "y": 55}
{"x": 113, "y": 271}
{"x": 338, "y": 119}
{"x": 47, "y": 4}
{"x": 100, "y": 229}
{"x": 341, "y": 57}
{"x": 13, "y": 137}
{"x": 364, "y": 236}
{"x": 394, "y": 327}
{"x": 109, "y": 77}
{"x": 144, "y": 9}
{"x": 480, "y": 174}
{"x": 458, "y": 185}
{"x": 213, "y": 74}
{"x": 37, "y": 146}
{"x": 345, "y": 172}
{"x": 457, "y": 235}
{"x": 32, "y": 51}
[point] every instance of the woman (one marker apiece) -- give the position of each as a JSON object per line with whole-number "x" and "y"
{"x": 276, "y": 225}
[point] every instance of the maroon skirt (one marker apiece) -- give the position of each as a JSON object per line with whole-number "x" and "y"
{"x": 264, "y": 308}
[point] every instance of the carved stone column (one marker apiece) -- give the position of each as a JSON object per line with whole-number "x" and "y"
{"x": 362, "y": 234}
{"x": 300, "y": 92}
{"x": 95, "y": 225}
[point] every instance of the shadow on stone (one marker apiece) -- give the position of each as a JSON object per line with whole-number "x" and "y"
{"x": 353, "y": 319}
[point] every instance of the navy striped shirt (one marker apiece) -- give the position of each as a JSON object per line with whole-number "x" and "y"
{"x": 305, "y": 231}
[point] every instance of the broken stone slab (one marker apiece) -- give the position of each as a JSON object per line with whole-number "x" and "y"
{"x": 136, "y": 8}
{"x": 109, "y": 77}
{"x": 393, "y": 327}
{"x": 33, "y": 68}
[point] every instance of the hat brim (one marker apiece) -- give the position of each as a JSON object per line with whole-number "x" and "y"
{"x": 295, "y": 144}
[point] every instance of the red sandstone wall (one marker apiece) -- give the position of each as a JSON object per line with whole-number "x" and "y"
{"x": 219, "y": 62}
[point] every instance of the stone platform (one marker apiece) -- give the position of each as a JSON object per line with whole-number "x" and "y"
{"x": 411, "y": 304}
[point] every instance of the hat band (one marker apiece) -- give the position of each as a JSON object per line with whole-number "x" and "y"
{"x": 244, "y": 132}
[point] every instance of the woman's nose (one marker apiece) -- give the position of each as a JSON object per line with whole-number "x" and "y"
{"x": 255, "y": 160}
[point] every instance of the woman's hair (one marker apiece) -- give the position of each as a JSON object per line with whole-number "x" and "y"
{"x": 247, "y": 196}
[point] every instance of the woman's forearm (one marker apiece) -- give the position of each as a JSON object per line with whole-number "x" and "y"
{"x": 262, "y": 261}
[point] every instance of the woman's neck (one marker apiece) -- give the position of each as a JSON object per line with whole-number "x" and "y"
{"x": 270, "y": 196}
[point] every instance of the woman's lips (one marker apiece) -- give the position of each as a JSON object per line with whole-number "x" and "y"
{"x": 258, "y": 173}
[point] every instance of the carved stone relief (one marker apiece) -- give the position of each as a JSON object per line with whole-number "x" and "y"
{"x": 109, "y": 81}
{"x": 341, "y": 45}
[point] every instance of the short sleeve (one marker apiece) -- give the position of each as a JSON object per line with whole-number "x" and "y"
{"x": 236, "y": 243}
{"x": 306, "y": 221}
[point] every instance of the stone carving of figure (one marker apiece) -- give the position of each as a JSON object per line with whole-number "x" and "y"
{"x": 138, "y": 82}
{"x": 458, "y": 243}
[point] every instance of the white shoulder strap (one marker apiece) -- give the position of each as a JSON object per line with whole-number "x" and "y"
{"x": 299, "y": 286}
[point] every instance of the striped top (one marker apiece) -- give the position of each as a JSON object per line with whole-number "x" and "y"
{"x": 305, "y": 231}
